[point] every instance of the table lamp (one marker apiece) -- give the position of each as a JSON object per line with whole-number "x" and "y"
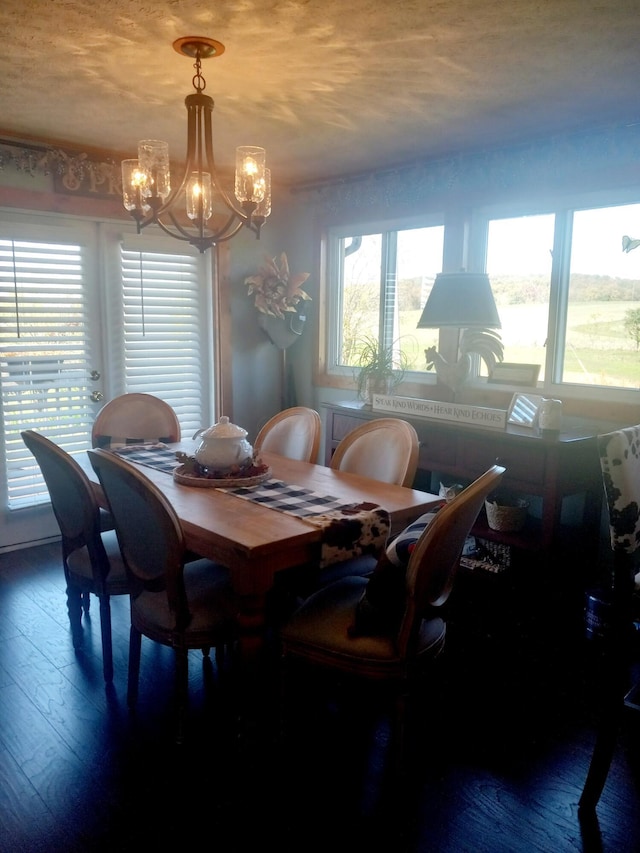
{"x": 463, "y": 300}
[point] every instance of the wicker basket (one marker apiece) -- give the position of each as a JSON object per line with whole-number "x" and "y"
{"x": 506, "y": 517}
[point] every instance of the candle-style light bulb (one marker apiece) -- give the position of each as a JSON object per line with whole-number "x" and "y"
{"x": 264, "y": 207}
{"x": 250, "y": 173}
{"x": 199, "y": 196}
{"x": 134, "y": 186}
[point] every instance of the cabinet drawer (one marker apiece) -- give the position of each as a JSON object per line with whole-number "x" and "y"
{"x": 341, "y": 425}
{"x": 525, "y": 467}
{"x": 436, "y": 449}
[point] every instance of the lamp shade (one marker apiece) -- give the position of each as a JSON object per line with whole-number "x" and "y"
{"x": 462, "y": 299}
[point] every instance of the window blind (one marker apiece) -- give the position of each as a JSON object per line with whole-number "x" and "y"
{"x": 162, "y": 341}
{"x": 45, "y": 357}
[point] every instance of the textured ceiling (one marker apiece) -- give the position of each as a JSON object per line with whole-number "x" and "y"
{"x": 329, "y": 87}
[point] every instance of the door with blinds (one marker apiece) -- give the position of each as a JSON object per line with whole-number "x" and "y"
{"x": 84, "y": 317}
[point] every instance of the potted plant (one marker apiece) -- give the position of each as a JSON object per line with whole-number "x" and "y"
{"x": 380, "y": 369}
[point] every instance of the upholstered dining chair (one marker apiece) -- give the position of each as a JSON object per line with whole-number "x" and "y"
{"x": 91, "y": 556}
{"x": 132, "y": 418}
{"x": 334, "y": 630}
{"x": 620, "y": 465}
{"x": 294, "y": 433}
{"x": 184, "y": 605}
{"x": 384, "y": 449}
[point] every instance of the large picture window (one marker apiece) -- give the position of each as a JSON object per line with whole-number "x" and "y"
{"x": 566, "y": 282}
{"x": 519, "y": 263}
{"x": 569, "y": 295}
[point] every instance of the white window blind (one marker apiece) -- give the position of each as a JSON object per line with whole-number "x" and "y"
{"x": 45, "y": 357}
{"x": 161, "y": 337}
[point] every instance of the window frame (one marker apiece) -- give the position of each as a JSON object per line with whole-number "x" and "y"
{"x": 330, "y": 372}
{"x": 465, "y": 247}
{"x": 563, "y": 208}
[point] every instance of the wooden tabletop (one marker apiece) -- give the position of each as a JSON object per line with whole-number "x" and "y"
{"x": 255, "y": 541}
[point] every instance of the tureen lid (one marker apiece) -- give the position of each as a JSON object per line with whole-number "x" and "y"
{"x": 224, "y": 429}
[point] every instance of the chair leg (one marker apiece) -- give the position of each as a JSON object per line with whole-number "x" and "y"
{"x": 181, "y": 691}
{"x": 105, "y": 630}
{"x": 612, "y": 686}
{"x": 74, "y": 609}
{"x": 135, "y": 644}
{"x": 613, "y": 683}
{"x": 220, "y": 655}
{"x": 601, "y": 759}
{"x": 86, "y": 601}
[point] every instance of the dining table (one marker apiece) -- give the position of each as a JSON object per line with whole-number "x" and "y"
{"x": 254, "y": 540}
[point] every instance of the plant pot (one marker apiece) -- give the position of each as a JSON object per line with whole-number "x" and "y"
{"x": 377, "y": 385}
{"x": 282, "y": 332}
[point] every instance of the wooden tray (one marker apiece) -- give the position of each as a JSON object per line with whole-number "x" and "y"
{"x": 223, "y": 483}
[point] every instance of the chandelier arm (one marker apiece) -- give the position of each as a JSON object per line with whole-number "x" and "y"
{"x": 211, "y": 163}
{"x": 219, "y": 232}
{"x": 155, "y": 214}
{"x": 197, "y": 106}
{"x": 256, "y": 224}
{"x": 238, "y": 226}
{"x": 190, "y": 165}
{"x": 185, "y": 236}
{"x": 213, "y": 237}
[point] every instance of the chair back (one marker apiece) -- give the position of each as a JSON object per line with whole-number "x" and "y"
{"x": 434, "y": 560}
{"x": 620, "y": 464}
{"x": 384, "y": 449}
{"x": 148, "y": 530}
{"x": 294, "y": 433}
{"x": 72, "y": 499}
{"x": 132, "y": 418}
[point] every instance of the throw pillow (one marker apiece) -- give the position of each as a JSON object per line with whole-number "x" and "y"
{"x": 380, "y": 608}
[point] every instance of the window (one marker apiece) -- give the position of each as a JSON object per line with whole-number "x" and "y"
{"x": 519, "y": 258}
{"x": 379, "y": 282}
{"x": 568, "y": 295}
{"x": 602, "y": 331}
{"x": 567, "y": 289}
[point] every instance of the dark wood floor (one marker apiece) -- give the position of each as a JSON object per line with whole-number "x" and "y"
{"x": 498, "y": 754}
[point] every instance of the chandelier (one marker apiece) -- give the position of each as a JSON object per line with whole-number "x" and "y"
{"x": 186, "y": 211}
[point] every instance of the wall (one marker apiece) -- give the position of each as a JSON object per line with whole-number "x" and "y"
{"x": 256, "y": 361}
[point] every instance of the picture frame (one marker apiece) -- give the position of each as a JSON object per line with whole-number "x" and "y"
{"x": 512, "y": 373}
{"x": 523, "y": 410}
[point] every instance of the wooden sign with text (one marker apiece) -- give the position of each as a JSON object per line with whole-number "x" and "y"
{"x": 435, "y": 409}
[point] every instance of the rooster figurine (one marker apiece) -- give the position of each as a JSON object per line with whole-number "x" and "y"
{"x": 485, "y": 342}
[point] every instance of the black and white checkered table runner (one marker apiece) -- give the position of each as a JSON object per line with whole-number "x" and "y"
{"x": 157, "y": 456}
{"x": 274, "y": 494}
{"x": 294, "y": 500}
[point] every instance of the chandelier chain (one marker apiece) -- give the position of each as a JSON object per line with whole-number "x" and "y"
{"x": 198, "y": 82}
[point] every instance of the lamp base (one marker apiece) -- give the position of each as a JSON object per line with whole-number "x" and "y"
{"x": 452, "y": 375}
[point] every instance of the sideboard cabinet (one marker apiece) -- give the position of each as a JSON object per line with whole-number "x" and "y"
{"x": 560, "y": 476}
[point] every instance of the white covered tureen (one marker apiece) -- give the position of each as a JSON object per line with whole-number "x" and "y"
{"x": 223, "y": 446}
